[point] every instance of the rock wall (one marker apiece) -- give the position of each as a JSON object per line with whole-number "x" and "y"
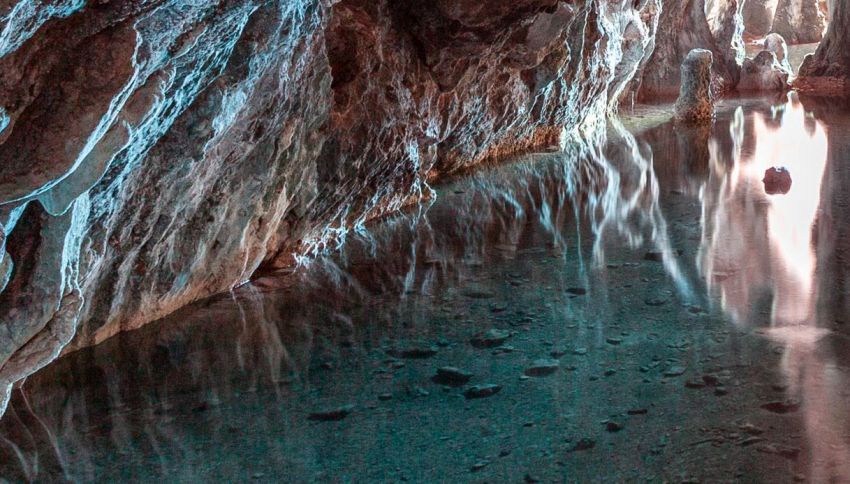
{"x": 713, "y": 25}
{"x": 828, "y": 70}
{"x": 758, "y": 16}
{"x": 155, "y": 152}
{"x": 799, "y": 21}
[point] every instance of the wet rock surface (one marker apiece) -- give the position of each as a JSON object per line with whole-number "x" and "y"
{"x": 696, "y": 100}
{"x": 224, "y": 389}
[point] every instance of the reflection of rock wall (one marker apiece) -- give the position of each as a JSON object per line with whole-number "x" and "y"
{"x": 156, "y": 152}
{"x": 268, "y": 336}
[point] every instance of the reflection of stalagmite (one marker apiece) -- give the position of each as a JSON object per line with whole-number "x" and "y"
{"x": 756, "y": 244}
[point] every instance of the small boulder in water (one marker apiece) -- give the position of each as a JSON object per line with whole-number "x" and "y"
{"x": 777, "y": 181}
{"x": 412, "y": 350}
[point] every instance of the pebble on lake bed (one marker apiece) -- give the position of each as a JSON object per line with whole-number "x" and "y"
{"x": 451, "y": 376}
{"x": 490, "y": 339}
{"x": 482, "y": 391}
{"x": 414, "y": 350}
{"x": 333, "y": 414}
{"x": 543, "y": 367}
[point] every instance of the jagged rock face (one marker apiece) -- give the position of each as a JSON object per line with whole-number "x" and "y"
{"x": 758, "y": 16}
{"x": 155, "y": 152}
{"x": 714, "y": 25}
{"x": 828, "y": 70}
{"x": 696, "y": 103}
{"x": 799, "y": 21}
{"x": 763, "y": 73}
{"x": 776, "y": 44}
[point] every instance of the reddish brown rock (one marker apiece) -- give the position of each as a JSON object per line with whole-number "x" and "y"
{"x": 777, "y": 181}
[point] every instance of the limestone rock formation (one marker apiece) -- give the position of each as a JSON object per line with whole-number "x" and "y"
{"x": 714, "y": 25}
{"x": 763, "y": 73}
{"x": 155, "y": 152}
{"x": 696, "y": 102}
{"x": 799, "y": 21}
{"x": 827, "y": 71}
{"x": 758, "y": 16}
{"x": 776, "y": 44}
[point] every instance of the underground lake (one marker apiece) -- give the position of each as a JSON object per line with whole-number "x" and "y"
{"x": 642, "y": 304}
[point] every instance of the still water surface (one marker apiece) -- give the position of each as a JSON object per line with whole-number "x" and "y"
{"x": 636, "y": 307}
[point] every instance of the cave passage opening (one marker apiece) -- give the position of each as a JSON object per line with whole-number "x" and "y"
{"x": 801, "y": 23}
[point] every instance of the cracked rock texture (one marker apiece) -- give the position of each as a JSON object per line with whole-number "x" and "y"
{"x": 799, "y": 21}
{"x": 713, "y": 25}
{"x": 696, "y": 103}
{"x": 827, "y": 71}
{"x": 156, "y": 152}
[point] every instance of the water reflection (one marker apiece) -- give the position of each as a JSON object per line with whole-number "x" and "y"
{"x": 609, "y": 255}
{"x": 754, "y": 242}
{"x": 758, "y": 246}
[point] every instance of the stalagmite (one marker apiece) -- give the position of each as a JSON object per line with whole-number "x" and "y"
{"x": 696, "y": 102}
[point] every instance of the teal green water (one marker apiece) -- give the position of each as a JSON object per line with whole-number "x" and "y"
{"x": 635, "y": 308}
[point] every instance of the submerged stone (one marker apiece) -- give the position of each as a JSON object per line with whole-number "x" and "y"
{"x": 543, "y": 367}
{"x": 787, "y": 406}
{"x": 585, "y": 443}
{"x": 333, "y": 414}
{"x": 451, "y": 376}
{"x": 413, "y": 350}
{"x": 482, "y": 391}
{"x": 675, "y": 371}
{"x": 490, "y": 339}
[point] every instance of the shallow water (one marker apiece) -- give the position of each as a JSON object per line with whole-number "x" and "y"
{"x": 693, "y": 328}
